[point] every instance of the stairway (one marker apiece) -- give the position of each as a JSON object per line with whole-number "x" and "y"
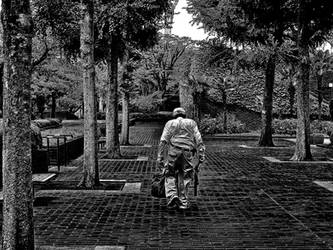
{"x": 250, "y": 118}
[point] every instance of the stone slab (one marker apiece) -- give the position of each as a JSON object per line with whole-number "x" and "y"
{"x": 42, "y": 177}
{"x": 275, "y": 160}
{"x": 139, "y": 158}
{"x": 325, "y": 184}
{"x": 80, "y": 248}
{"x": 132, "y": 187}
{"x": 254, "y": 147}
{"x": 271, "y": 159}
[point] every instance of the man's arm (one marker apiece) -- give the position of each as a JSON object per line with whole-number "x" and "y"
{"x": 200, "y": 145}
{"x": 165, "y": 138}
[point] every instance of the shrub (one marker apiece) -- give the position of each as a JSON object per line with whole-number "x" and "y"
{"x": 47, "y": 123}
{"x": 148, "y": 103}
{"x": 288, "y": 126}
{"x": 323, "y": 127}
{"x": 215, "y": 125}
{"x": 73, "y": 131}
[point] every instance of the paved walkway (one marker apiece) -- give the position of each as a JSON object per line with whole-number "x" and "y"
{"x": 245, "y": 202}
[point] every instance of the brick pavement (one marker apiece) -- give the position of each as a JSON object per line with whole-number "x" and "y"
{"x": 244, "y": 202}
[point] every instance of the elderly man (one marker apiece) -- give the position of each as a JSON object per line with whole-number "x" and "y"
{"x": 182, "y": 138}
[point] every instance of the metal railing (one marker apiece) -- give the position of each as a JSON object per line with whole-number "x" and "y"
{"x": 57, "y": 148}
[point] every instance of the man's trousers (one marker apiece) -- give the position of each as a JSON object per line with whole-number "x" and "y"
{"x": 180, "y": 171}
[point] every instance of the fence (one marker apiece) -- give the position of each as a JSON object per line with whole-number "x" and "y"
{"x": 63, "y": 148}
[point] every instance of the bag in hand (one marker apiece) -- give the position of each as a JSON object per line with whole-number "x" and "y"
{"x": 157, "y": 186}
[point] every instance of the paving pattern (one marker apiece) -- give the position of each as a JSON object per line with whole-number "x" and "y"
{"x": 244, "y": 202}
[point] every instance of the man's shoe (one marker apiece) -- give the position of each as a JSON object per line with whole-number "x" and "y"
{"x": 174, "y": 203}
{"x": 184, "y": 207}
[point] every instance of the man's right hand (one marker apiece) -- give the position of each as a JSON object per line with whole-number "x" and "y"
{"x": 160, "y": 164}
{"x": 197, "y": 167}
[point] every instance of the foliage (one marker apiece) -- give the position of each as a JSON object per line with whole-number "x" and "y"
{"x": 47, "y": 123}
{"x": 215, "y": 125}
{"x": 59, "y": 19}
{"x": 247, "y": 92}
{"x": 323, "y": 127}
{"x": 134, "y": 24}
{"x": 158, "y": 64}
{"x": 147, "y": 103}
{"x": 321, "y": 61}
{"x": 288, "y": 126}
{"x": 59, "y": 79}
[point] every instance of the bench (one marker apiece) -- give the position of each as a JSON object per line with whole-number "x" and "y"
{"x": 38, "y": 179}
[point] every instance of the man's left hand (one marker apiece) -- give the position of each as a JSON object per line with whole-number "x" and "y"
{"x": 160, "y": 164}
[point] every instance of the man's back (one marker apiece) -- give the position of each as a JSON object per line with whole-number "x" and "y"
{"x": 182, "y": 132}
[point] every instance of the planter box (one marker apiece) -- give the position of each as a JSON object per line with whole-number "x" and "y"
{"x": 40, "y": 161}
{"x": 317, "y": 139}
{"x": 62, "y": 153}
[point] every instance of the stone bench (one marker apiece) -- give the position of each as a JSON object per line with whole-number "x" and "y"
{"x": 37, "y": 179}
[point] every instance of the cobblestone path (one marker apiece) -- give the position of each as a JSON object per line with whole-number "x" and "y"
{"x": 244, "y": 202}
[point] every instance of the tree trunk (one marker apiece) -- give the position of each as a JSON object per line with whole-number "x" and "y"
{"x": 302, "y": 148}
{"x": 124, "y": 137}
{"x": 320, "y": 95}
{"x": 224, "y": 111}
{"x": 1, "y": 87}
{"x": 291, "y": 91}
{"x": 331, "y": 109}
{"x": 266, "y": 139}
{"x": 112, "y": 136}
{"x": 17, "y": 226}
{"x": 124, "y": 140}
{"x": 197, "y": 99}
{"x": 186, "y": 98}
{"x": 53, "y": 105}
{"x": 90, "y": 177}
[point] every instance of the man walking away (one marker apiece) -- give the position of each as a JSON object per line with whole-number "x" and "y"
{"x": 183, "y": 140}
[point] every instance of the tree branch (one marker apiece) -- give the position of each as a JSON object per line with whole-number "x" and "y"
{"x": 42, "y": 57}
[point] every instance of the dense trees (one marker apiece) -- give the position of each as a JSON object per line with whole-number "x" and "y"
{"x": 159, "y": 62}
{"x": 250, "y": 23}
{"x": 56, "y": 47}
{"x": 119, "y": 32}
{"x": 17, "y": 227}
{"x": 313, "y": 24}
{"x": 271, "y": 23}
{"x": 321, "y": 63}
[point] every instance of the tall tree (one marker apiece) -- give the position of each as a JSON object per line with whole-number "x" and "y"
{"x": 313, "y": 25}
{"x": 111, "y": 120}
{"x": 302, "y": 149}
{"x": 116, "y": 32}
{"x": 17, "y": 226}
{"x": 90, "y": 176}
{"x": 251, "y": 23}
{"x": 321, "y": 63}
{"x": 159, "y": 62}
{"x": 169, "y": 17}
{"x": 125, "y": 86}
{"x": 59, "y": 21}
